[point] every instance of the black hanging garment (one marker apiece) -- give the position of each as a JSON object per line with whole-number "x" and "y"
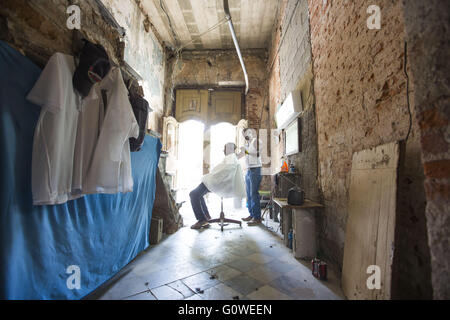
{"x": 141, "y": 110}
{"x": 94, "y": 65}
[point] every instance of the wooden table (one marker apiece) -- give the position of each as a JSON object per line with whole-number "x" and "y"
{"x": 304, "y": 210}
{"x": 283, "y": 204}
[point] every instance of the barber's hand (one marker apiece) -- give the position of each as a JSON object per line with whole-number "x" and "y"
{"x": 244, "y": 151}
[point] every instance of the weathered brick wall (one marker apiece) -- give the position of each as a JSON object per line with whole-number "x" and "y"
{"x": 428, "y": 29}
{"x": 274, "y": 84}
{"x": 295, "y": 51}
{"x": 38, "y": 29}
{"x": 292, "y": 70}
{"x": 208, "y": 68}
{"x": 360, "y": 91}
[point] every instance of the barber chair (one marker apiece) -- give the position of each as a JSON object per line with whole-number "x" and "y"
{"x": 222, "y": 220}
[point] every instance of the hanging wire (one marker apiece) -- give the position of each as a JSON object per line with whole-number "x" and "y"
{"x": 203, "y": 33}
{"x": 180, "y": 48}
{"x": 174, "y": 35}
{"x": 407, "y": 90}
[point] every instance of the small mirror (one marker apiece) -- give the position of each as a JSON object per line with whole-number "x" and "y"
{"x": 292, "y": 140}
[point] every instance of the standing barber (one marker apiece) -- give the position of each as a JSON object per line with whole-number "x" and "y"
{"x": 253, "y": 177}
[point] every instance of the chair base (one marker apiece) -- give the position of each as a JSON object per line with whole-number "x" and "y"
{"x": 224, "y": 221}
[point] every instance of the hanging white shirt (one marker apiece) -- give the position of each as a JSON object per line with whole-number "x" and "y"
{"x": 226, "y": 179}
{"x": 55, "y": 132}
{"x": 103, "y": 162}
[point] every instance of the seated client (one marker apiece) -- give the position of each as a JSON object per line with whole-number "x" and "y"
{"x": 226, "y": 180}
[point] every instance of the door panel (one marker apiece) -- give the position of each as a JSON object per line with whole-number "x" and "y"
{"x": 371, "y": 220}
{"x": 191, "y": 104}
{"x": 170, "y": 145}
{"x": 225, "y": 107}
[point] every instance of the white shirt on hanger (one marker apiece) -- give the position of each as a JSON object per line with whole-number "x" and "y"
{"x": 55, "y": 132}
{"x": 103, "y": 163}
{"x": 80, "y": 147}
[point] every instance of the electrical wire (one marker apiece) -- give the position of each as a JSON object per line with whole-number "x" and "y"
{"x": 174, "y": 35}
{"x": 181, "y": 47}
{"x": 203, "y": 33}
{"x": 407, "y": 90}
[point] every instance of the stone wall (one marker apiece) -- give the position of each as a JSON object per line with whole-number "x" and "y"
{"x": 292, "y": 70}
{"x": 38, "y": 29}
{"x": 361, "y": 102}
{"x": 208, "y": 68}
{"x": 427, "y": 25}
{"x": 144, "y": 53}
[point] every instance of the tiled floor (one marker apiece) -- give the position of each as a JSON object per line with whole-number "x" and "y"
{"x": 238, "y": 263}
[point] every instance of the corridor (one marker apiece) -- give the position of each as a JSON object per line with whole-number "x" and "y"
{"x": 248, "y": 263}
{"x": 118, "y": 118}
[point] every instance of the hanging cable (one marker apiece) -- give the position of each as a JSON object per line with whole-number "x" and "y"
{"x": 407, "y": 90}
{"x": 174, "y": 35}
{"x": 203, "y": 33}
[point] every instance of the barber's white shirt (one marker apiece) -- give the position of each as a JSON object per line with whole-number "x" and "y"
{"x": 55, "y": 132}
{"x": 251, "y": 159}
{"x": 226, "y": 179}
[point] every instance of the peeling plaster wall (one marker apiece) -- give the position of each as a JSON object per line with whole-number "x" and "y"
{"x": 143, "y": 53}
{"x": 38, "y": 29}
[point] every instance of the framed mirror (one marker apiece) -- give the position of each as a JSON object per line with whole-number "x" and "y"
{"x": 293, "y": 137}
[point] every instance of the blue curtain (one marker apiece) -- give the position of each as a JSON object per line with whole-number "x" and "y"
{"x": 99, "y": 234}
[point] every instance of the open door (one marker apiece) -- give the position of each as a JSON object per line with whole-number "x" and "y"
{"x": 170, "y": 145}
{"x": 240, "y": 140}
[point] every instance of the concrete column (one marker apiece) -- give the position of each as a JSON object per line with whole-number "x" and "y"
{"x": 427, "y": 25}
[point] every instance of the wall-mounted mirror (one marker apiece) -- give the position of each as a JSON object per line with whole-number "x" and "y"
{"x": 293, "y": 137}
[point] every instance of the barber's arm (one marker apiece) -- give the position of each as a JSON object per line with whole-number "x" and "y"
{"x": 242, "y": 153}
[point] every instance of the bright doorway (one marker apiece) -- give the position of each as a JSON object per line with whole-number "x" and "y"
{"x": 190, "y": 158}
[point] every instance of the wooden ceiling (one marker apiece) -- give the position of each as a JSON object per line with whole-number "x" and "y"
{"x": 187, "y": 20}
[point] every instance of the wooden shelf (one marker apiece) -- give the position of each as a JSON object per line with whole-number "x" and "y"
{"x": 282, "y": 202}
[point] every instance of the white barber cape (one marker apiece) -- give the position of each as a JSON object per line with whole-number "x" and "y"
{"x": 226, "y": 179}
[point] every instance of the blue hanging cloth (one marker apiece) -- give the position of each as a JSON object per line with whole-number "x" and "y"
{"x": 98, "y": 234}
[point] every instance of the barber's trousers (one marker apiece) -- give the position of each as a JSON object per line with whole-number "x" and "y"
{"x": 198, "y": 202}
{"x": 252, "y": 182}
